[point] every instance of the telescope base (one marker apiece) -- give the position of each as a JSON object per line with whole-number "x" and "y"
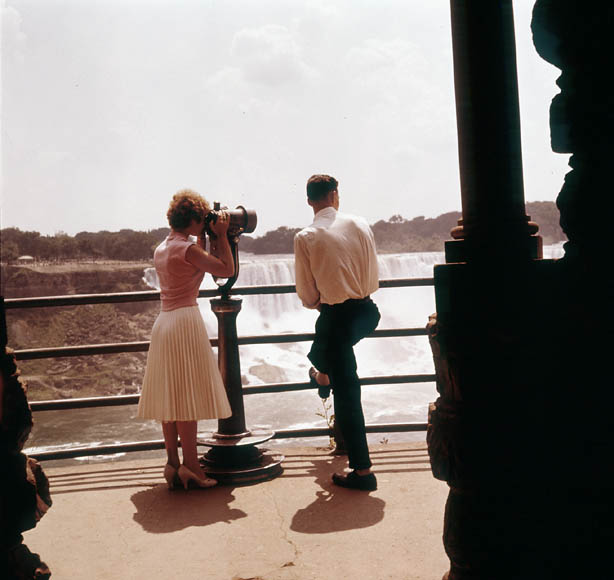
{"x": 235, "y": 460}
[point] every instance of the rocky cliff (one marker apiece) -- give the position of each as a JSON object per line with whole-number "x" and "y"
{"x": 77, "y": 278}
{"x": 79, "y": 325}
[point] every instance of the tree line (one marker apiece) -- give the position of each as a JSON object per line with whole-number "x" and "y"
{"x": 125, "y": 244}
{"x": 396, "y": 234}
{"x": 420, "y": 234}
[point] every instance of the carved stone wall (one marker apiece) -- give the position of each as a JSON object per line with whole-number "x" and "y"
{"x": 576, "y": 36}
{"x": 24, "y": 489}
{"x": 522, "y": 429}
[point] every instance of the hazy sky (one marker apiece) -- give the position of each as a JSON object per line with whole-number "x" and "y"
{"x": 110, "y": 106}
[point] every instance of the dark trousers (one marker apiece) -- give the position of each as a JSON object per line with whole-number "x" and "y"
{"x": 338, "y": 328}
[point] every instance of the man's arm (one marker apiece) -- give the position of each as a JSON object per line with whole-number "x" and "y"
{"x": 305, "y": 284}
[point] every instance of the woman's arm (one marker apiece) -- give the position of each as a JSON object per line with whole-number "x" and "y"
{"x": 220, "y": 261}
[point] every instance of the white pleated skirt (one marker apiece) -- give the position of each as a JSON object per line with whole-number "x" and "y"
{"x": 182, "y": 381}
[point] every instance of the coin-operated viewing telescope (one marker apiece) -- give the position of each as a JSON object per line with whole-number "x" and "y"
{"x": 240, "y": 221}
{"x": 234, "y": 457}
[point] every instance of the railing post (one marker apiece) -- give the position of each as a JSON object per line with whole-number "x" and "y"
{"x": 234, "y": 457}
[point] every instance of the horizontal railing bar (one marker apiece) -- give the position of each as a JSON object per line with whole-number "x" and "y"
{"x": 84, "y": 403}
{"x": 396, "y": 427}
{"x": 152, "y": 295}
{"x": 379, "y": 380}
{"x": 143, "y": 346}
{"x": 81, "y": 299}
{"x": 307, "y": 336}
{"x": 85, "y": 451}
{"x": 326, "y": 432}
{"x": 159, "y": 443}
{"x": 83, "y": 350}
{"x": 406, "y": 282}
{"x": 118, "y": 400}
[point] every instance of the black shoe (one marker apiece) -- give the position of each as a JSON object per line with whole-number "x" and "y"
{"x": 354, "y": 481}
{"x": 323, "y": 391}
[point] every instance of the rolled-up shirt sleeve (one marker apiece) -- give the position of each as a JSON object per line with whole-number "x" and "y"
{"x": 305, "y": 283}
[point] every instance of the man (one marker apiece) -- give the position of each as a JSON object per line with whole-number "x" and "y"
{"x": 336, "y": 271}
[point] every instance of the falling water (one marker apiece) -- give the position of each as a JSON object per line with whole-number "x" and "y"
{"x": 283, "y": 313}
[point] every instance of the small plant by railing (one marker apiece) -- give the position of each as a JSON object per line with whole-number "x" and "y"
{"x": 329, "y": 418}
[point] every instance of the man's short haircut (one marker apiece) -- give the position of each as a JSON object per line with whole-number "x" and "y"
{"x": 319, "y": 186}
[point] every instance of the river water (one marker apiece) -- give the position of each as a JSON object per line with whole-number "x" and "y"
{"x": 260, "y": 364}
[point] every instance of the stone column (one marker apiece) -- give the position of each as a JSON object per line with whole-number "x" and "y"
{"x": 522, "y": 430}
{"x": 484, "y": 331}
{"x": 494, "y": 221}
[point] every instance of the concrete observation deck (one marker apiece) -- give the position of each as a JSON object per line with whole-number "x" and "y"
{"x": 117, "y": 520}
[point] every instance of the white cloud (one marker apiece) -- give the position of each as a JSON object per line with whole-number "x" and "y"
{"x": 247, "y": 101}
{"x": 265, "y": 76}
{"x": 51, "y": 159}
{"x": 405, "y": 91}
{"x": 270, "y": 56}
{"x": 13, "y": 37}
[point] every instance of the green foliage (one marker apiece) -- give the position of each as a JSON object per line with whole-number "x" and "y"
{"x": 398, "y": 234}
{"x": 395, "y": 235}
{"x": 546, "y": 215}
{"x": 126, "y": 245}
{"x": 279, "y": 241}
{"x": 10, "y": 252}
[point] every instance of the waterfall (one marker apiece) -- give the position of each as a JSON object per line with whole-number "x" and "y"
{"x": 284, "y": 313}
{"x": 266, "y": 314}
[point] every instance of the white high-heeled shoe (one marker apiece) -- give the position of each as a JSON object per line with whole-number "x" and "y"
{"x": 186, "y": 476}
{"x": 170, "y": 474}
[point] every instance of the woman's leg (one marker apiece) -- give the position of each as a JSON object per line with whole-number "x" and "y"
{"x": 169, "y": 429}
{"x": 187, "y": 434}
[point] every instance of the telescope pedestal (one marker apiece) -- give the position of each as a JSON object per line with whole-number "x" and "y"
{"x": 236, "y": 460}
{"x": 234, "y": 457}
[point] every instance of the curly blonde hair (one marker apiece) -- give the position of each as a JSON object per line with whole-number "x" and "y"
{"x": 186, "y": 205}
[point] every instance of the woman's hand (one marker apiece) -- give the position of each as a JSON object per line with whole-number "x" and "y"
{"x": 219, "y": 260}
{"x": 220, "y": 226}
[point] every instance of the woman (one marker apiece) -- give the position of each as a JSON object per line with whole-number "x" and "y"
{"x": 182, "y": 383}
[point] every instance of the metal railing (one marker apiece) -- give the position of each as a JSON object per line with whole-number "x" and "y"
{"x": 142, "y": 346}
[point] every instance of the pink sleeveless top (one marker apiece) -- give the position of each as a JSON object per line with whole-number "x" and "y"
{"x": 179, "y": 280}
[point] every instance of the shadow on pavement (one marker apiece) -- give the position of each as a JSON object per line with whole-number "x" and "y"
{"x": 336, "y": 509}
{"x": 160, "y": 511}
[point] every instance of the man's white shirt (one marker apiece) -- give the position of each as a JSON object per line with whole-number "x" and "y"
{"x": 335, "y": 259}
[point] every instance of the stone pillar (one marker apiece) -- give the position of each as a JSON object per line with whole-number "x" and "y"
{"x": 494, "y": 221}
{"x": 522, "y": 429}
